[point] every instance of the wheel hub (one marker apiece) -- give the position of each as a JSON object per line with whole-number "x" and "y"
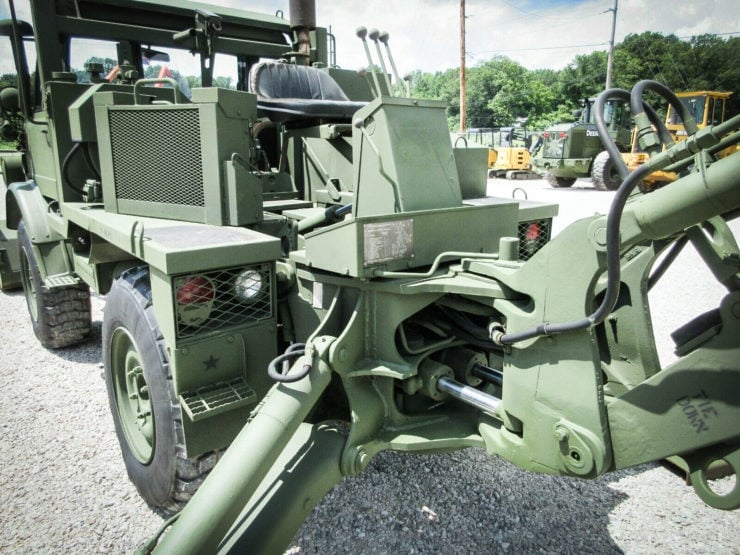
{"x": 132, "y": 395}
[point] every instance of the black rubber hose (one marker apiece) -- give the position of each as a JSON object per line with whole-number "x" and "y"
{"x": 467, "y": 331}
{"x": 636, "y": 102}
{"x": 606, "y": 139}
{"x": 65, "y": 169}
{"x": 283, "y": 361}
{"x": 613, "y": 220}
{"x": 90, "y": 162}
{"x": 613, "y": 270}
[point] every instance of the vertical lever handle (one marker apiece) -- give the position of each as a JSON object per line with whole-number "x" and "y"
{"x": 374, "y": 34}
{"x": 362, "y": 33}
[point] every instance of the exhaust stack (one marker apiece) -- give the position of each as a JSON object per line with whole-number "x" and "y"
{"x": 302, "y": 22}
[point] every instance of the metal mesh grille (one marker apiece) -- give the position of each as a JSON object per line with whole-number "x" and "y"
{"x": 212, "y": 303}
{"x": 157, "y": 155}
{"x": 533, "y": 235}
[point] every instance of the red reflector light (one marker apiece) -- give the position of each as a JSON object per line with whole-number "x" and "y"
{"x": 546, "y": 134}
{"x": 533, "y": 232}
{"x": 563, "y": 135}
{"x": 196, "y": 290}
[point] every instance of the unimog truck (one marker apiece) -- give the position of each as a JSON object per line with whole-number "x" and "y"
{"x": 302, "y": 271}
{"x": 204, "y": 220}
{"x": 573, "y": 150}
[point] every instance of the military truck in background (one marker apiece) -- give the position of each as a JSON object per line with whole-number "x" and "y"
{"x": 571, "y": 151}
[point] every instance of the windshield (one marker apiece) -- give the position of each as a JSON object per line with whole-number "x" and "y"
{"x": 615, "y": 111}
{"x": 10, "y": 117}
{"x": 95, "y": 60}
{"x": 695, "y": 106}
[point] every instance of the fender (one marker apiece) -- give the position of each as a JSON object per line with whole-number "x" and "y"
{"x": 11, "y": 166}
{"x": 23, "y": 200}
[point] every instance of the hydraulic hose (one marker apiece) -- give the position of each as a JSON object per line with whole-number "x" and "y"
{"x": 609, "y": 145}
{"x": 613, "y": 269}
{"x": 65, "y": 169}
{"x": 644, "y": 125}
{"x": 616, "y": 210}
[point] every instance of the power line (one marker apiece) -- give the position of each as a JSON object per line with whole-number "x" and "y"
{"x": 500, "y": 50}
{"x": 538, "y": 48}
{"x": 716, "y": 34}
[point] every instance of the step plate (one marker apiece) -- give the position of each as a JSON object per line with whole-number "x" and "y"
{"x": 216, "y": 399}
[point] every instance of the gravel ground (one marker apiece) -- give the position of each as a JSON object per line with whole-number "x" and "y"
{"x": 65, "y": 490}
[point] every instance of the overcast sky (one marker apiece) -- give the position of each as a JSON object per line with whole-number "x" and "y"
{"x": 425, "y": 34}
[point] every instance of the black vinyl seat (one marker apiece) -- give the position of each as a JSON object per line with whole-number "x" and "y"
{"x": 288, "y": 92}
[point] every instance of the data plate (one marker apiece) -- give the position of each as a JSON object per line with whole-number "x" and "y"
{"x": 385, "y": 241}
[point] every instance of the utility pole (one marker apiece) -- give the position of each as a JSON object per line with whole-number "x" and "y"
{"x": 463, "y": 106}
{"x": 610, "y": 58}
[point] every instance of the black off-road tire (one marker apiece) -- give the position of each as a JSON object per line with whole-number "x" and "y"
{"x": 60, "y": 316}
{"x": 604, "y": 173}
{"x": 560, "y": 182}
{"x": 146, "y": 413}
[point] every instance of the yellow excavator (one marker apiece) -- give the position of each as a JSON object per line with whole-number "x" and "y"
{"x": 707, "y": 108}
{"x": 509, "y": 150}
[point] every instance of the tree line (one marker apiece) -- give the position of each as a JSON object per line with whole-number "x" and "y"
{"x": 500, "y": 91}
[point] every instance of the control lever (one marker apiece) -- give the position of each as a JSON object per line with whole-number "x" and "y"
{"x": 362, "y": 33}
{"x": 362, "y": 72}
{"x": 384, "y": 36}
{"x": 374, "y": 34}
{"x": 407, "y": 78}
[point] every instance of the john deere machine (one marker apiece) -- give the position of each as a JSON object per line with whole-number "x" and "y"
{"x": 302, "y": 272}
{"x": 574, "y": 150}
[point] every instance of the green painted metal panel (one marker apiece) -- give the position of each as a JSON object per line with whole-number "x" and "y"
{"x": 174, "y": 246}
{"x": 362, "y": 246}
{"x": 403, "y": 158}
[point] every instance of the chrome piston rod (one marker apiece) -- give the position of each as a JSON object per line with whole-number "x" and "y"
{"x": 469, "y": 395}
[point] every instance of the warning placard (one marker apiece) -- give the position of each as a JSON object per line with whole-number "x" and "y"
{"x": 386, "y": 241}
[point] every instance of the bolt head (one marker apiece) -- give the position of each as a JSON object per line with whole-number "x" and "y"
{"x": 560, "y": 434}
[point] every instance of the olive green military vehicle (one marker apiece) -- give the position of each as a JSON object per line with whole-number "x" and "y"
{"x": 302, "y": 271}
{"x": 10, "y": 164}
{"x": 573, "y": 150}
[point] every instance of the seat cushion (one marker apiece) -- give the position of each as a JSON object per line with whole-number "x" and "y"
{"x": 289, "y": 92}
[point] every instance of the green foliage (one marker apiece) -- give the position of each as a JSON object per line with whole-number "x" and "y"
{"x": 8, "y": 80}
{"x": 442, "y": 86}
{"x": 107, "y": 63}
{"x": 500, "y": 91}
